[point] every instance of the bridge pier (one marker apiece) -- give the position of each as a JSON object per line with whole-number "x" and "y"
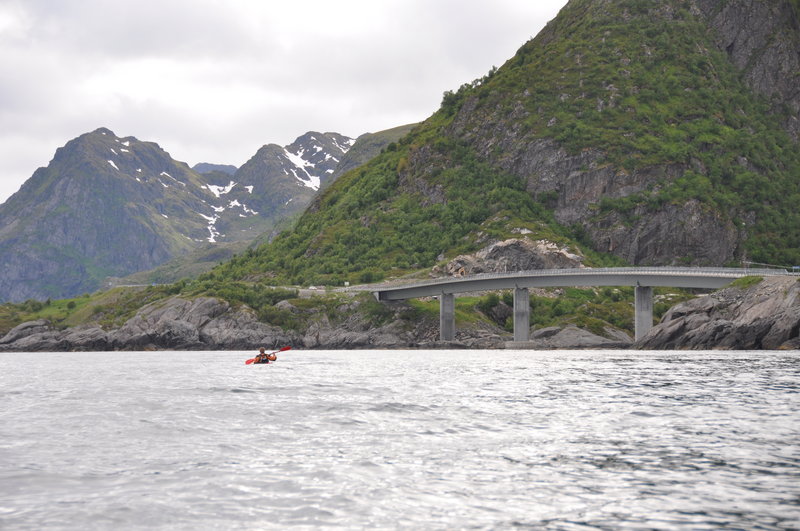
{"x": 643, "y": 310}
{"x": 522, "y": 314}
{"x": 447, "y": 317}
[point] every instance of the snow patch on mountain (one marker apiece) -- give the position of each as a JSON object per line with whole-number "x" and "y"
{"x": 246, "y": 210}
{"x": 213, "y": 233}
{"x": 165, "y": 174}
{"x": 219, "y": 190}
{"x": 347, "y": 145}
{"x": 114, "y": 165}
{"x": 311, "y": 181}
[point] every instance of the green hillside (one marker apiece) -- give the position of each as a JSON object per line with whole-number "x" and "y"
{"x": 639, "y": 85}
{"x": 653, "y": 91}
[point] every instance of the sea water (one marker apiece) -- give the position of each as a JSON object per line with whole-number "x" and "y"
{"x": 400, "y": 440}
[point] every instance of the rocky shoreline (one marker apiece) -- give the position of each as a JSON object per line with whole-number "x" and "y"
{"x": 765, "y": 315}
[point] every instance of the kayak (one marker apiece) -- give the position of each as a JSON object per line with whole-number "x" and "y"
{"x": 254, "y": 360}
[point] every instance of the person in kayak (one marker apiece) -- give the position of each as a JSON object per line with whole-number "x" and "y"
{"x": 263, "y": 357}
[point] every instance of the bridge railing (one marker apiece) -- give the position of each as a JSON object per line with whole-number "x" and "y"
{"x": 716, "y": 272}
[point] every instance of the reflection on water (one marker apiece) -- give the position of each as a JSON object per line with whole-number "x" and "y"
{"x": 400, "y": 439}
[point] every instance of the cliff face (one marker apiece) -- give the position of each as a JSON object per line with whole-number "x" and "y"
{"x": 763, "y": 316}
{"x": 591, "y": 143}
{"x": 763, "y": 40}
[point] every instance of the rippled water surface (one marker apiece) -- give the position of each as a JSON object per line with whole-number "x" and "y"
{"x": 410, "y": 439}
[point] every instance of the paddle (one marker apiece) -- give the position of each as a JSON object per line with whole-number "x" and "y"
{"x": 287, "y": 347}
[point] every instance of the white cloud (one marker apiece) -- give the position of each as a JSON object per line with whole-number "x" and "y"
{"x": 213, "y": 80}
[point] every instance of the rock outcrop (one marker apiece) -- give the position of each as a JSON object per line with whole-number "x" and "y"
{"x": 572, "y": 337}
{"x": 516, "y": 254}
{"x": 763, "y": 316}
{"x": 176, "y": 324}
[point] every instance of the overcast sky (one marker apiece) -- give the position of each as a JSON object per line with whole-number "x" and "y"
{"x": 214, "y": 80}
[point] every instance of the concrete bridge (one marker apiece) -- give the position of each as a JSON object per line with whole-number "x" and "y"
{"x": 643, "y": 279}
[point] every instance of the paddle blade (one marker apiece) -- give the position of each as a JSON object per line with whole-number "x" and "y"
{"x": 287, "y": 347}
{"x": 248, "y": 362}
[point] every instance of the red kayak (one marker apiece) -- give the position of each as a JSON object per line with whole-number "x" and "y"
{"x": 253, "y": 360}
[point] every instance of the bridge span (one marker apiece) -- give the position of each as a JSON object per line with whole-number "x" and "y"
{"x": 643, "y": 279}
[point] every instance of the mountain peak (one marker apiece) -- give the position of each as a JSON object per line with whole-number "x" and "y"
{"x": 103, "y": 131}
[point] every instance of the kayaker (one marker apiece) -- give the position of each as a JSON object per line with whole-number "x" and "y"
{"x": 263, "y": 357}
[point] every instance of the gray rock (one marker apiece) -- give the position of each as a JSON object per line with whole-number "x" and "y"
{"x": 92, "y": 338}
{"x": 205, "y": 322}
{"x": 545, "y": 333}
{"x": 26, "y": 329}
{"x": 501, "y": 312}
{"x": 40, "y": 342}
{"x": 571, "y": 337}
{"x": 516, "y": 254}
{"x": 763, "y": 316}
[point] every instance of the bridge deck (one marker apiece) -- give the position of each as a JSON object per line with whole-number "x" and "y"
{"x": 619, "y": 276}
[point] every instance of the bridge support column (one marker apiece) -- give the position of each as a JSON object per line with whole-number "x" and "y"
{"x": 447, "y": 317}
{"x": 643, "y": 310}
{"x": 522, "y": 314}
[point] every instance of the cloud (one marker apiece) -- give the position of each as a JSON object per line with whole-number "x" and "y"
{"x": 213, "y": 80}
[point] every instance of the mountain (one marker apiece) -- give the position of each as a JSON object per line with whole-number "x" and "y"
{"x": 206, "y": 167}
{"x": 107, "y": 206}
{"x": 276, "y": 183}
{"x": 365, "y": 147}
{"x": 630, "y": 131}
{"x": 113, "y": 211}
{"x": 103, "y": 206}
